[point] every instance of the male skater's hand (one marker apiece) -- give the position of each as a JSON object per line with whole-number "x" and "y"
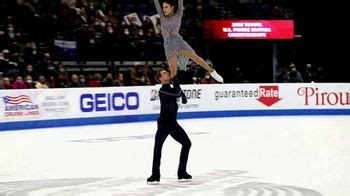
{"x": 183, "y": 97}
{"x": 176, "y": 83}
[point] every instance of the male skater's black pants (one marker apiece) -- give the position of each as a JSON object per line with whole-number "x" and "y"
{"x": 178, "y": 133}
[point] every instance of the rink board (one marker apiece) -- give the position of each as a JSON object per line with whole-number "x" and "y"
{"x": 36, "y": 108}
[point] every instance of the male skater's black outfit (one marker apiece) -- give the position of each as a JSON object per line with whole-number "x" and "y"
{"x": 167, "y": 124}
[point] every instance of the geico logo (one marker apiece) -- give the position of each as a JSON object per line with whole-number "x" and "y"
{"x": 109, "y": 101}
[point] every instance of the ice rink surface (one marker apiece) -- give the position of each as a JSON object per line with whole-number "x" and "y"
{"x": 245, "y": 156}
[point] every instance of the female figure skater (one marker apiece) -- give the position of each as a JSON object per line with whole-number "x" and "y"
{"x": 176, "y": 49}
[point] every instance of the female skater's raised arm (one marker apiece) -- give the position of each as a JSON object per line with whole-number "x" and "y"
{"x": 158, "y": 8}
{"x": 180, "y": 8}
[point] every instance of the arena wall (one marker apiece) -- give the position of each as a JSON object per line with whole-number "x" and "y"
{"x": 39, "y": 108}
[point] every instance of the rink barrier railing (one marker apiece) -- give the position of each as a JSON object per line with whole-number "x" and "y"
{"x": 39, "y": 108}
{"x": 152, "y": 117}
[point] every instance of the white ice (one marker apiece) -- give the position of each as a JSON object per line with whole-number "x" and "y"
{"x": 303, "y": 155}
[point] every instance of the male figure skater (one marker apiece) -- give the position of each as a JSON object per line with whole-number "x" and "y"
{"x": 167, "y": 125}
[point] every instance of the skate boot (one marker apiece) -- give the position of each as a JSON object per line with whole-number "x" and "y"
{"x": 153, "y": 179}
{"x": 216, "y": 76}
{"x": 184, "y": 177}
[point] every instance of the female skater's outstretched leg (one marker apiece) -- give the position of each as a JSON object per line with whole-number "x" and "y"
{"x": 192, "y": 55}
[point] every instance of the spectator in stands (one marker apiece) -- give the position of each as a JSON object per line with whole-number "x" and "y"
{"x": 82, "y": 19}
{"x": 50, "y": 70}
{"x": 95, "y": 81}
{"x": 193, "y": 74}
{"x": 29, "y": 81}
{"x": 1, "y": 83}
{"x": 196, "y": 80}
{"x": 148, "y": 27}
{"x": 52, "y": 82}
{"x": 276, "y": 13}
{"x": 110, "y": 43}
{"x": 309, "y": 73}
{"x": 5, "y": 83}
{"x": 74, "y": 81}
{"x": 63, "y": 77}
{"x": 11, "y": 63}
{"x": 19, "y": 83}
{"x": 207, "y": 79}
{"x": 120, "y": 80}
{"x": 82, "y": 80}
{"x": 150, "y": 73}
{"x": 320, "y": 75}
{"x": 138, "y": 76}
{"x": 42, "y": 84}
{"x": 281, "y": 74}
{"x": 111, "y": 19}
{"x": 5, "y": 66}
{"x": 5, "y": 40}
{"x": 10, "y": 31}
{"x": 158, "y": 27}
{"x": 108, "y": 80}
{"x": 46, "y": 64}
{"x": 293, "y": 75}
{"x": 30, "y": 53}
{"x": 31, "y": 72}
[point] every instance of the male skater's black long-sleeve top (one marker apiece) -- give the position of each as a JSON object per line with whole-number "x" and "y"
{"x": 168, "y": 94}
{"x": 167, "y": 125}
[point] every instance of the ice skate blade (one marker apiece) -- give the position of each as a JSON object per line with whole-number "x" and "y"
{"x": 184, "y": 180}
{"x": 216, "y": 77}
{"x": 153, "y": 183}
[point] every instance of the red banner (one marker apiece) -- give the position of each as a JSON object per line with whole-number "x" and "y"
{"x": 248, "y": 29}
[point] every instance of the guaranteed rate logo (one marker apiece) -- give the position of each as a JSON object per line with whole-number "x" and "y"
{"x": 268, "y": 95}
{"x": 21, "y": 105}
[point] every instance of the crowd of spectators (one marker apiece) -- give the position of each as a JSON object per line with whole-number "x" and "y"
{"x": 101, "y": 31}
{"x": 137, "y": 75}
{"x": 308, "y": 74}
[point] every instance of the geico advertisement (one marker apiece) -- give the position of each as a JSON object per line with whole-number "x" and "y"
{"x": 114, "y": 101}
{"x": 35, "y": 104}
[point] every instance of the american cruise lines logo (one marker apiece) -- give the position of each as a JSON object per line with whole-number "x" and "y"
{"x": 17, "y": 100}
{"x": 21, "y": 105}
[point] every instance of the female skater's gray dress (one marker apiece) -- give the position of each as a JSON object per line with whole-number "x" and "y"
{"x": 170, "y": 27}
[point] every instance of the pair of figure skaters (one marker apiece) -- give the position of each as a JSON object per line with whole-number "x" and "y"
{"x": 177, "y": 52}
